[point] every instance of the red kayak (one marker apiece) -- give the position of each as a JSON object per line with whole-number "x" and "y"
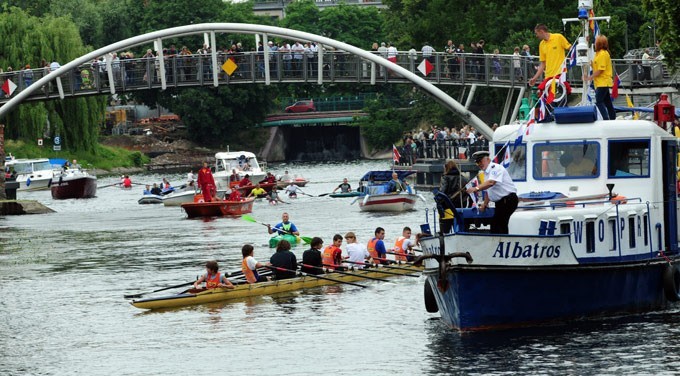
{"x": 221, "y": 208}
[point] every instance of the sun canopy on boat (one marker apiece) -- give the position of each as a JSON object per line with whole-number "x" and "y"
{"x": 385, "y": 175}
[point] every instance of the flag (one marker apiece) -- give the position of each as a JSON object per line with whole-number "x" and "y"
{"x": 425, "y": 67}
{"x": 591, "y": 23}
{"x": 541, "y": 109}
{"x": 551, "y": 91}
{"x": 471, "y": 184}
{"x": 596, "y": 30}
{"x": 572, "y": 55}
{"x": 229, "y": 66}
{"x": 636, "y": 115}
{"x": 8, "y": 87}
{"x": 395, "y": 154}
{"x": 506, "y": 158}
{"x": 615, "y": 89}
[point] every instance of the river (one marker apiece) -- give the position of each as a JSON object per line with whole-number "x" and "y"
{"x": 63, "y": 276}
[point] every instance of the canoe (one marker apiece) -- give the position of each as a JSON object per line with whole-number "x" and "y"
{"x": 292, "y": 239}
{"x": 202, "y": 296}
{"x": 300, "y": 182}
{"x": 218, "y": 208}
{"x": 347, "y": 194}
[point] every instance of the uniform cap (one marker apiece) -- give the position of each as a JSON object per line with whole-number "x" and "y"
{"x": 479, "y": 155}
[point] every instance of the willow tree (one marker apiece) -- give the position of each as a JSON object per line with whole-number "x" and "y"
{"x": 29, "y": 40}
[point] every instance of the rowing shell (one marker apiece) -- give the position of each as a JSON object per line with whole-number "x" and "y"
{"x": 201, "y": 296}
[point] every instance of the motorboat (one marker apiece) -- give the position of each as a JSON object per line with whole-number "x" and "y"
{"x": 243, "y": 162}
{"x": 73, "y": 183}
{"x": 379, "y": 199}
{"x": 32, "y": 174}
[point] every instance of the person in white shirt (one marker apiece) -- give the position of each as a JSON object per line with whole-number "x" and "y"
{"x": 357, "y": 253}
{"x": 500, "y": 189}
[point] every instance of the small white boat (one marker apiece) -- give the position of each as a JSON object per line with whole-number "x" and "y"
{"x": 378, "y": 199}
{"x": 243, "y": 162}
{"x": 150, "y": 199}
{"x": 32, "y": 174}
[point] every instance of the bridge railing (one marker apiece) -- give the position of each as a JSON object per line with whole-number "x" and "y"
{"x": 338, "y": 66}
{"x": 440, "y": 149}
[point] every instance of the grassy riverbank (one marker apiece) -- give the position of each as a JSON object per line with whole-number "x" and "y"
{"x": 103, "y": 158}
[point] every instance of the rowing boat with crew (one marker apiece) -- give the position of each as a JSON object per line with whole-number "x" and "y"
{"x": 304, "y": 281}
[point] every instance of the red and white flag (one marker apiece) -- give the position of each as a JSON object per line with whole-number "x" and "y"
{"x": 395, "y": 154}
{"x": 8, "y": 87}
{"x": 425, "y": 67}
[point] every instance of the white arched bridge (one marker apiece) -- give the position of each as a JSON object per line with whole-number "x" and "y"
{"x": 335, "y": 62}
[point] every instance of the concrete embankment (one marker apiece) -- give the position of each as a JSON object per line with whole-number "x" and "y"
{"x": 14, "y": 207}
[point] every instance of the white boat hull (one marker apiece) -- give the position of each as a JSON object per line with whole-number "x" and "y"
{"x": 388, "y": 203}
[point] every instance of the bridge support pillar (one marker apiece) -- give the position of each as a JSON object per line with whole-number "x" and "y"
{"x": 506, "y": 106}
{"x": 518, "y": 103}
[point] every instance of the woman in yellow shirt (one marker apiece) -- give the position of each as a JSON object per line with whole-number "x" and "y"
{"x": 602, "y": 78}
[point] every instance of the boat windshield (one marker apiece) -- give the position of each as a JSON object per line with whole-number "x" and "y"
{"x": 30, "y": 167}
{"x": 244, "y": 164}
{"x": 566, "y": 160}
{"x": 514, "y": 160}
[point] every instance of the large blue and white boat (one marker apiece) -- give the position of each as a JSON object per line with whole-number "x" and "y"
{"x": 596, "y": 231}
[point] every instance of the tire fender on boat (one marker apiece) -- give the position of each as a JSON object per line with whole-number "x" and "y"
{"x": 671, "y": 282}
{"x": 430, "y": 301}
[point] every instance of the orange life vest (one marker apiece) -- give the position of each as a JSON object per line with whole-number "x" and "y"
{"x": 250, "y": 276}
{"x": 371, "y": 250}
{"x": 212, "y": 281}
{"x": 399, "y": 249}
{"x": 328, "y": 255}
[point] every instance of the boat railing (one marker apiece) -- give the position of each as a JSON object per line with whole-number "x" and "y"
{"x": 563, "y": 203}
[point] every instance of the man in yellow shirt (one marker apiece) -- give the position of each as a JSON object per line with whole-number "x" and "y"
{"x": 551, "y": 51}
{"x": 257, "y": 191}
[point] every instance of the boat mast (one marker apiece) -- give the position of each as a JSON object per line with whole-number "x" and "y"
{"x": 583, "y": 46}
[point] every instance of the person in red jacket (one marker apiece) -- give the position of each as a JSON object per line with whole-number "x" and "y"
{"x": 206, "y": 183}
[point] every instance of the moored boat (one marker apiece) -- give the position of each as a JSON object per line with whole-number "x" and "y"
{"x": 73, "y": 183}
{"x": 221, "y": 208}
{"x": 32, "y": 174}
{"x": 201, "y": 296}
{"x": 593, "y": 252}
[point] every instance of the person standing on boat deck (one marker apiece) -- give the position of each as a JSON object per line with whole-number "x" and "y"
{"x": 284, "y": 227}
{"x": 500, "y": 189}
{"x": 332, "y": 255}
{"x": 551, "y": 52}
{"x": 312, "y": 257}
{"x": 206, "y": 182}
{"x": 344, "y": 187}
{"x": 451, "y": 185}
{"x": 249, "y": 265}
{"x": 602, "y": 78}
{"x": 395, "y": 185}
{"x": 213, "y": 278}
{"x": 376, "y": 247}
{"x": 357, "y": 254}
{"x": 403, "y": 247}
{"x": 283, "y": 258}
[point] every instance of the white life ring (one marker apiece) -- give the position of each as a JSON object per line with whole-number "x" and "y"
{"x": 559, "y": 89}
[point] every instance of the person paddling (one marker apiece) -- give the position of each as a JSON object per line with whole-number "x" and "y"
{"x": 344, "y": 187}
{"x": 403, "y": 247}
{"x": 212, "y": 277}
{"x": 357, "y": 254}
{"x": 312, "y": 257}
{"x": 249, "y": 265}
{"x": 285, "y": 259}
{"x": 376, "y": 247}
{"x": 284, "y": 227}
{"x": 257, "y": 191}
{"x": 332, "y": 255}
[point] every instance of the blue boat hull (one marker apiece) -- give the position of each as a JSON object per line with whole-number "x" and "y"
{"x": 480, "y": 298}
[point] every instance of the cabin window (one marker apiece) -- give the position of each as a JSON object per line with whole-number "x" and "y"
{"x": 631, "y": 232}
{"x": 566, "y": 160}
{"x": 645, "y": 229}
{"x": 613, "y": 237}
{"x": 628, "y": 159}
{"x": 590, "y": 236}
{"x": 565, "y": 228}
{"x": 514, "y": 160}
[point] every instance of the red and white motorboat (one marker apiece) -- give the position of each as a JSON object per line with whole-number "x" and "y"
{"x": 73, "y": 183}
{"x": 378, "y": 199}
{"x": 221, "y": 208}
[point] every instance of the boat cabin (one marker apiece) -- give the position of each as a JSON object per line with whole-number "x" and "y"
{"x": 244, "y": 162}
{"x": 377, "y": 181}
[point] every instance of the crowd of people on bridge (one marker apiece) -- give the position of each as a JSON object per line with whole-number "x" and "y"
{"x": 441, "y": 142}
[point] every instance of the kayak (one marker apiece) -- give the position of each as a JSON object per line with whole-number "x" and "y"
{"x": 201, "y": 296}
{"x": 292, "y": 239}
{"x": 346, "y": 194}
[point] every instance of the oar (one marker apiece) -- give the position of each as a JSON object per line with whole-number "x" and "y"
{"x": 324, "y": 194}
{"x": 400, "y": 262}
{"x": 314, "y": 276}
{"x": 401, "y": 254}
{"x": 133, "y": 296}
{"x": 248, "y": 218}
{"x": 367, "y": 265}
{"x": 343, "y": 272}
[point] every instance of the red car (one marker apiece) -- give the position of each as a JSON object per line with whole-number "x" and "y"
{"x": 301, "y": 106}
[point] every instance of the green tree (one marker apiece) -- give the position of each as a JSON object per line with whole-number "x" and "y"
{"x": 666, "y": 14}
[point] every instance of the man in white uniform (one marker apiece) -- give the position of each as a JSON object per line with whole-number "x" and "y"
{"x": 500, "y": 189}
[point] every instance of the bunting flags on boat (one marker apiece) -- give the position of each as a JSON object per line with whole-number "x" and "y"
{"x": 572, "y": 55}
{"x": 8, "y": 87}
{"x": 395, "y": 154}
{"x": 636, "y": 115}
{"x": 615, "y": 88}
{"x": 506, "y": 157}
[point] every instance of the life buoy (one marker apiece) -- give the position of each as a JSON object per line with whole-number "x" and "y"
{"x": 671, "y": 283}
{"x": 618, "y": 200}
{"x": 430, "y": 301}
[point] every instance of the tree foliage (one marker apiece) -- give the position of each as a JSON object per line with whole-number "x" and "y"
{"x": 667, "y": 19}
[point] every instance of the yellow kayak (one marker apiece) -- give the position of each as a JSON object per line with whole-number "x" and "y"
{"x": 201, "y": 296}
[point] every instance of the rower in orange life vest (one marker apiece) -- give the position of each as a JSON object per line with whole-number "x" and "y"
{"x": 332, "y": 255}
{"x": 206, "y": 183}
{"x": 213, "y": 278}
{"x": 249, "y": 265}
{"x": 376, "y": 247}
{"x": 403, "y": 247}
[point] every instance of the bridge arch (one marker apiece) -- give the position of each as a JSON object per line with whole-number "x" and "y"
{"x": 211, "y": 28}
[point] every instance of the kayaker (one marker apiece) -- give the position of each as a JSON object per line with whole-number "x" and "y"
{"x": 283, "y": 258}
{"x": 403, "y": 247}
{"x": 257, "y": 191}
{"x": 344, "y": 187}
{"x": 284, "y": 227}
{"x": 292, "y": 190}
{"x": 127, "y": 182}
{"x": 357, "y": 253}
{"x": 213, "y": 278}
{"x": 273, "y": 197}
{"x": 206, "y": 182}
{"x": 249, "y": 265}
{"x": 395, "y": 185}
{"x": 312, "y": 257}
{"x": 376, "y": 247}
{"x": 285, "y": 177}
{"x": 332, "y": 255}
